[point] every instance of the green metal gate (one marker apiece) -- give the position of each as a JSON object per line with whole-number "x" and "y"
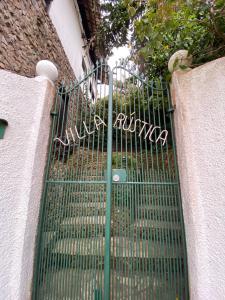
{"x": 111, "y": 224}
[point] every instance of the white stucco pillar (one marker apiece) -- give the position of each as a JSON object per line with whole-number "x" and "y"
{"x": 199, "y": 99}
{"x": 25, "y": 103}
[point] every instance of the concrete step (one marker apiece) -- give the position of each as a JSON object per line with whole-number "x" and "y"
{"x": 94, "y": 226}
{"x": 158, "y": 212}
{"x": 121, "y": 247}
{"x": 85, "y": 209}
{"x": 96, "y": 195}
{"x": 153, "y": 212}
{"x": 84, "y": 177}
{"x": 99, "y": 220}
{"x": 86, "y": 205}
{"x": 130, "y": 198}
{"x": 140, "y": 224}
{"x": 144, "y": 199}
{"x": 48, "y": 238}
{"x": 79, "y": 284}
{"x": 81, "y": 227}
{"x": 83, "y": 220}
{"x": 128, "y": 190}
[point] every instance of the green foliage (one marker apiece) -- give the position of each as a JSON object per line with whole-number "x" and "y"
{"x": 120, "y": 161}
{"x": 114, "y": 26}
{"x": 160, "y": 28}
{"x": 168, "y": 26}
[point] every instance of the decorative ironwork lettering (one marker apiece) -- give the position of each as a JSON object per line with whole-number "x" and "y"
{"x": 120, "y": 123}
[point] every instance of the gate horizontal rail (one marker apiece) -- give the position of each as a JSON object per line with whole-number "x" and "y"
{"x": 103, "y": 182}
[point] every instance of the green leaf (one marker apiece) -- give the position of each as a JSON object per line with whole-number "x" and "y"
{"x": 131, "y": 11}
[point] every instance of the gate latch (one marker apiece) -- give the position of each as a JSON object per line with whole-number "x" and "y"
{"x": 3, "y": 125}
{"x": 119, "y": 175}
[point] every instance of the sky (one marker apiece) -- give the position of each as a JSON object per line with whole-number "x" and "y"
{"x": 118, "y": 53}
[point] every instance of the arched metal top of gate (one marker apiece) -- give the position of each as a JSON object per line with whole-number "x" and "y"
{"x": 104, "y": 67}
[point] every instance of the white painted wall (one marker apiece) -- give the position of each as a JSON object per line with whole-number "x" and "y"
{"x": 25, "y": 103}
{"x": 66, "y": 19}
{"x": 199, "y": 96}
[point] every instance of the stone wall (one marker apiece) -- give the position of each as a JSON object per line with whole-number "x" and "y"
{"x": 27, "y": 35}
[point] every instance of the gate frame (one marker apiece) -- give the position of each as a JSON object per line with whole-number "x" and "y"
{"x": 108, "y": 182}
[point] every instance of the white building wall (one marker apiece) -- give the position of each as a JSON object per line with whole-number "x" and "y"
{"x": 25, "y": 103}
{"x": 199, "y": 98}
{"x": 66, "y": 19}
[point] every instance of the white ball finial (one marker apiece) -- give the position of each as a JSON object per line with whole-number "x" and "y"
{"x": 180, "y": 60}
{"x": 47, "y": 69}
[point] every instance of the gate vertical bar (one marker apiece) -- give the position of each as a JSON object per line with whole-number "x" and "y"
{"x": 108, "y": 193}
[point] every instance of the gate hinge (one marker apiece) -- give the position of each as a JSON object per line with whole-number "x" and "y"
{"x": 54, "y": 113}
{"x": 170, "y": 110}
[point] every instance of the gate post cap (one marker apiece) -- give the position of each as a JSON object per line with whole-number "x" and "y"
{"x": 46, "y": 68}
{"x": 180, "y": 60}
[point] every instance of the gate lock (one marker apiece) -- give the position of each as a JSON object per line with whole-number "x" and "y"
{"x": 119, "y": 175}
